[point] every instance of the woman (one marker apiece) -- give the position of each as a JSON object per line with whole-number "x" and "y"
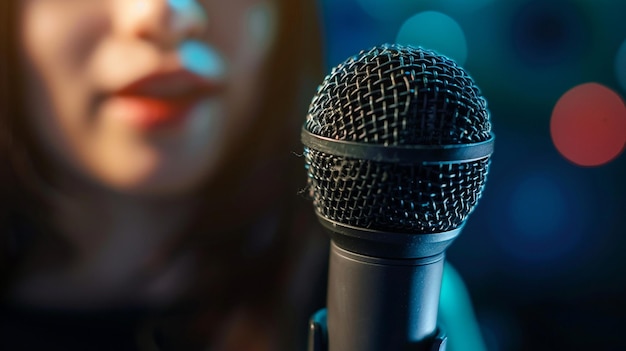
{"x": 147, "y": 178}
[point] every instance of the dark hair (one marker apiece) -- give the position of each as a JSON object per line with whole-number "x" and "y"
{"x": 258, "y": 174}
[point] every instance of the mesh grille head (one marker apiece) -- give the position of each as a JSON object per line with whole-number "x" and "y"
{"x": 397, "y": 96}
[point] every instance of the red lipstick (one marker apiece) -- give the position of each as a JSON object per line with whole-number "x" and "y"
{"x": 161, "y": 99}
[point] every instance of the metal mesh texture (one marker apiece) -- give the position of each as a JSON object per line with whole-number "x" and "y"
{"x": 398, "y": 95}
{"x": 395, "y": 95}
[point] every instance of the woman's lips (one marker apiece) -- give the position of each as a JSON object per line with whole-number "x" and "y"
{"x": 159, "y": 100}
{"x": 147, "y": 112}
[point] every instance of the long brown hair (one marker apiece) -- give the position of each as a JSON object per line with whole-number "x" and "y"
{"x": 259, "y": 173}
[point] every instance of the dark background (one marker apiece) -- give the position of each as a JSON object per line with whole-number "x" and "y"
{"x": 543, "y": 253}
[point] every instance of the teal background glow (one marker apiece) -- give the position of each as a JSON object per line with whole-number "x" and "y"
{"x": 436, "y": 31}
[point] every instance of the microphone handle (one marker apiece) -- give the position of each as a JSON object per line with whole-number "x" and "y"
{"x": 377, "y": 304}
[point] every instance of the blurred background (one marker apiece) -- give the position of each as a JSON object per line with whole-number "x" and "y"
{"x": 544, "y": 253}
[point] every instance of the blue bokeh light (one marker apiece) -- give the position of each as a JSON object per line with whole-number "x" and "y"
{"x": 181, "y": 5}
{"x": 537, "y": 207}
{"x": 201, "y": 59}
{"x": 436, "y": 31}
{"x": 544, "y": 218}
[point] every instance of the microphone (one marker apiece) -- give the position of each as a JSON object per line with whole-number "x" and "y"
{"x": 397, "y": 148}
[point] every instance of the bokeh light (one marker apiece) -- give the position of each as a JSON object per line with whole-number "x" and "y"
{"x": 542, "y": 219}
{"x": 588, "y": 125}
{"x": 436, "y": 31}
{"x": 202, "y": 59}
{"x": 620, "y": 65}
{"x": 181, "y": 4}
{"x": 537, "y": 207}
{"x": 187, "y": 7}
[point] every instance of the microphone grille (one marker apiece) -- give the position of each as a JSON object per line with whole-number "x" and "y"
{"x": 397, "y": 96}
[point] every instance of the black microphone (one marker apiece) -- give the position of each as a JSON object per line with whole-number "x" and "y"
{"x": 397, "y": 148}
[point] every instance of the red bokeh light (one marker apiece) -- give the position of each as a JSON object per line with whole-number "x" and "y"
{"x": 588, "y": 125}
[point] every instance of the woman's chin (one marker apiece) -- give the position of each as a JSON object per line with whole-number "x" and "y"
{"x": 170, "y": 161}
{"x": 158, "y": 179}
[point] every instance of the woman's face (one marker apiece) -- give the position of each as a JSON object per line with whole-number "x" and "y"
{"x": 141, "y": 96}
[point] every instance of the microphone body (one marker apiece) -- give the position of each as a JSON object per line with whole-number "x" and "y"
{"x": 397, "y": 148}
{"x": 377, "y": 304}
{"x": 383, "y": 288}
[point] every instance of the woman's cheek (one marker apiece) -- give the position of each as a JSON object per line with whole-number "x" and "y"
{"x": 260, "y": 27}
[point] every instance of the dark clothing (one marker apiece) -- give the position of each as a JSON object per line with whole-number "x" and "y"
{"x": 23, "y": 328}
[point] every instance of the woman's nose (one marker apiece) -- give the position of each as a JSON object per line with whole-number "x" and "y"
{"x": 165, "y": 23}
